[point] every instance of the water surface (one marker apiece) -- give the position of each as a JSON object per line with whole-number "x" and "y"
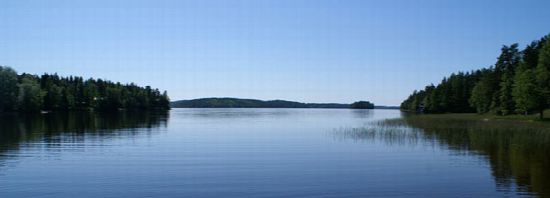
{"x": 258, "y": 153}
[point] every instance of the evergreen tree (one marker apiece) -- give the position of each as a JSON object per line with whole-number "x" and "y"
{"x": 52, "y": 93}
{"x": 30, "y": 95}
{"x": 52, "y": 100}
{"x": 165, "y": 100}
{"x": 507, "y": 62}
{"x": 430, "y": 102}
{"x": 481, "y": 97}
{"x": 90, "y": 94}
{"x": 8, "y": 89}
{"x": 543, "y": 76}
{"x": 525, "y": 92}
{"x": 518, "y": 82}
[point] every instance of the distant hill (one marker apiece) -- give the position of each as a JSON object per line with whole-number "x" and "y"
{"x": 253, "y": 103}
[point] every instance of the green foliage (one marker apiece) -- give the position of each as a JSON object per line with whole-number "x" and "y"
{"x": 8, "y": 89}
{"x": 29, "y": 93}
{"x": 543, "y": 73}
{"x": 519, "y": 82}
{"x": 525, "y": 92}
{"x": 481, "y": 97}
{"x": 451, "y": 95}
{"x": 507, "y": 62}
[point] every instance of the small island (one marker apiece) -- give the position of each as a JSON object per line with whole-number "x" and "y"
{"x": 362, "y": 105}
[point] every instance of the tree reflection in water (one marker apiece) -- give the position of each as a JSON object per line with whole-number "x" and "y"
{"x": 74, "y": 127}
{"x": 516, "y": 151}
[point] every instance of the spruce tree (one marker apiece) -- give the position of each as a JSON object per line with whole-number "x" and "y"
{"x": 507, "y": 62}
{"x": 543, "y": 76}
{"x": 30, "y": 95}
{"x": 525, "y": 93}
{"x": 8, "y": 89}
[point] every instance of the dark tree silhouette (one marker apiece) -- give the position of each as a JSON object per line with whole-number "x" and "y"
{"x": 519, "y": 82}
{"x": 50, "y": 92}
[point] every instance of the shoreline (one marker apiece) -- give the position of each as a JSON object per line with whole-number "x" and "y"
{"x": 530, "y": 119}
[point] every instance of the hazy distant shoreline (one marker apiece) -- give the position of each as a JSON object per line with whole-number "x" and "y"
{"x": 255, "y": 103}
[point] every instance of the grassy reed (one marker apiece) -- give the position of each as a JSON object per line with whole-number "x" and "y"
{"x": 517, "y": 150}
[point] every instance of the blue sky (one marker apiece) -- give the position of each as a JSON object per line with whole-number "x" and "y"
{"x": 309, "y": 51}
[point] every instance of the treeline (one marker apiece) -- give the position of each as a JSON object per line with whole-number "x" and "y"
{"x": 50, "y": 92}
{"x": 253, "y": 103}
{"x": 519, "y": 82}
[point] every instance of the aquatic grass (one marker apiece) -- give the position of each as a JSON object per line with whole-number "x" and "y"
{"x": 392, "y": 135}
{"x": 515, "y": 149}
{"x": 518, "y": 151}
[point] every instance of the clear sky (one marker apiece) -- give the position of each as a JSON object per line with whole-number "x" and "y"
{"x": 308, "y": 51}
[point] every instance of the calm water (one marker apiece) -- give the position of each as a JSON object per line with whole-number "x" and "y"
{"x": 256, "y": 153}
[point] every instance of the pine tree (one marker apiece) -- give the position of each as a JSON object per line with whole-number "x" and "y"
{"x": 481, "y": 97}
{"x": 30, "y": 95}
{"x": 518, "y": 82}
{"x": 543, "y": 76}
{"x": 525, "y": 92}
{"x": 8, "y": 89}
{"x": 507, "y": 63}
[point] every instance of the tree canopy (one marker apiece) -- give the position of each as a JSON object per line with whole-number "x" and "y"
{"x": 50, "y": 92}
{"x": 519, "y": 82}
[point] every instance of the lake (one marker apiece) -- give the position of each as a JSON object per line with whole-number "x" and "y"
{"x": 264, "y": 153}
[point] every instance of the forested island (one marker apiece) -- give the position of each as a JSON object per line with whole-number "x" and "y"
{"x": 253, "y": 103}
{"x": 50, "y": 92}
{"x": 518, "y": 83}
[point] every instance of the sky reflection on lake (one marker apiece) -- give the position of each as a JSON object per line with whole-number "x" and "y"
{"x": 262, "y": 153}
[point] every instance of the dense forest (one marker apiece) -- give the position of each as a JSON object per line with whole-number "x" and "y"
{"x": 252, "y": 103}
{"x": 50, "y": 92}
{"x": 518, "y": 83}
